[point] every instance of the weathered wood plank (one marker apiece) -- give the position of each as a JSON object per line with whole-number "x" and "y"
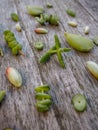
{"x": 18, "y": 110}
{"x": 91, "y": 7}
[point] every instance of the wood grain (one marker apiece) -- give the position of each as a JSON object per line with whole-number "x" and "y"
{"x": 18, "y": 110}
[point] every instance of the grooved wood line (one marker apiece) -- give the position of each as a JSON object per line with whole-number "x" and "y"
{"x": 18, "y": 110}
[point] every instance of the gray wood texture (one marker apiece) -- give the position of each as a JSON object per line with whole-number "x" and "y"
{"x": 18, "y": 110}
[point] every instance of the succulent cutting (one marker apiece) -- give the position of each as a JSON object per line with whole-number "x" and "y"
{"x": 39, "y": 45}
{"x": 15, "y": 46}
{"x": 95, "y": 40}
{"x": 14, "y": 17}
{"x": 43, "y": 98}
{"x": 14, "y": 76}
{"x": 71, "y": 12}
{"x": 48, "y": 19}
{"x": 79, "y": 42}
{"x": 79, "y": 102}
{"x": 56, "y": 49}
{"x": 34, "y": 10}
{"x": 41, "y": 30}
{"x": 93, "y": 68}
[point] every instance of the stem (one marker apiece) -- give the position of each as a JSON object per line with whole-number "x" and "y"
{"x": 64, "y": 49}
{"x": 60, "y": 59}
{"x": 45, "y": 57}
{"x": 53, "y": 51}
{"x": 57, "y": 42}
{"x": 21, "y": 53}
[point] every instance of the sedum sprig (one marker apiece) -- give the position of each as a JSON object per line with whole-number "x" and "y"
{"x": 56, "y": 49}
{"x": 44, "y": 100}
{"x": 12, "y": 42}
{"x": 48, "y": 19}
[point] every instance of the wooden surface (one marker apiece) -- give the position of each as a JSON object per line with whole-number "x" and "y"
{"x": 18, "y": 109}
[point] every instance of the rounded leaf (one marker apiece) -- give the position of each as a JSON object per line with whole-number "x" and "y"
{"x": 78, "y": 42}
{"x": 14, "y": 76}
{"x": 93, "y": 68}
{"x": 79, "y": 102}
